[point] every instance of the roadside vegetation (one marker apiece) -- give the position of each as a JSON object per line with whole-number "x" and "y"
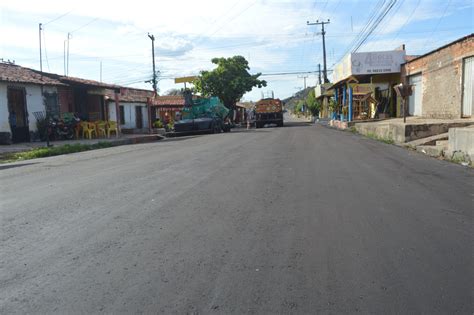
{"x": 52, "y": 151}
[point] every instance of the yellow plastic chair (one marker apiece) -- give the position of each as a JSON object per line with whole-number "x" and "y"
{"x": 88, "y": 129}
{"x": 101, "y": 128}
{"x": 112, "y": 126}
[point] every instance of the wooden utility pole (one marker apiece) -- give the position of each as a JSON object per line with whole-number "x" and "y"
{"x": 41, "y": 50}
{"x": 304, "y": 78}
{"x": 153, "y": 56}
{"x": 323, "y": 32}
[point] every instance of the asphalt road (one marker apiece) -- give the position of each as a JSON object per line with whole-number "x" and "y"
{"x": 297, "y": 220}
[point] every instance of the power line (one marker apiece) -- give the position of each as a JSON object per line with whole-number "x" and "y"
{"x": 57, "y": 18}
{"x": 81, "y": 27}
{"x": 439, "y": 21}
{"x": 45, "y": 50}
{"x": 375, "y": 24}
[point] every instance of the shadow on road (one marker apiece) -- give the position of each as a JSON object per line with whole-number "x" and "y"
{"x": 296, "y": 124}
{"x": 4, "y": 167}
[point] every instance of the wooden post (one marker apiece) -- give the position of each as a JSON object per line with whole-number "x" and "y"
{"x": 117, "y": 110}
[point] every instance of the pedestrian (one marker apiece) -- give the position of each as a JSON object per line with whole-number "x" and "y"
{"x": 249, "y": 117}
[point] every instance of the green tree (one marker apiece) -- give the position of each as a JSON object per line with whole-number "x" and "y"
{"x": 314, "y": 106}
{"x": 298, "y": 109}
{"x": 229, "y": 81}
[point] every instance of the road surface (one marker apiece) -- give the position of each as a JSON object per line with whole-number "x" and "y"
{"x": 296, "y": 220}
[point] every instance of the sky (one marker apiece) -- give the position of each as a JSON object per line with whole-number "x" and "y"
{"x": 272, "y": 35}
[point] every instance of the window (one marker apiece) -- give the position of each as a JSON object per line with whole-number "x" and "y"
{"x": 122, "y": 115}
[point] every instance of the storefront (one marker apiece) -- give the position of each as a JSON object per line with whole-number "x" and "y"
{"x": 364, "y": 83}
{"x": 166, "y": 108}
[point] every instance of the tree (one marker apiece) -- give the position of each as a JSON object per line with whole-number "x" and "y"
{"x": 177, "y": 92}
{"x": 314, "y": 106}
{"x": 174, "y": 92}
{"x": 229, "y": 81}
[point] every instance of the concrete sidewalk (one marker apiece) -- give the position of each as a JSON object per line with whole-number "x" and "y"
{"x": 121, "y": 140}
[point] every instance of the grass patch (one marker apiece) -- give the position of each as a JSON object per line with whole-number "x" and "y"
{"x": 372, "y": 135}
{"x": 52, "y": 151}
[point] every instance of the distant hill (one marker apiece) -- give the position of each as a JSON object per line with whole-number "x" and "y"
{"x": 291, "y": 101}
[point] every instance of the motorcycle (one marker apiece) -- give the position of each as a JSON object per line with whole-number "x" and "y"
{"x": 59, "y": 129}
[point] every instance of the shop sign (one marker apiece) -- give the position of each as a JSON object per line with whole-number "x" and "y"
{"x": 361, "y": 88}
{"x": 377, "y": 62}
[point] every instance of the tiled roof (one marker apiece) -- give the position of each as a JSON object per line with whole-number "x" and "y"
{"x": 169, "y": 100}
{"x": 15, "y": 73}
{"x": 133, "y": 95}
{"x": 74, "y": 80}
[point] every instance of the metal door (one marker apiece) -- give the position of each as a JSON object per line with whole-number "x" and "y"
{"x": 18, "y": 114}
{"x": 416, "y": 99}
{"x": 138, "y": 117}
{"x": 468, "y": 87}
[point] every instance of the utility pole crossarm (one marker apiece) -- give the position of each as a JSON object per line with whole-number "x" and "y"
{"x": 323, "y": 33}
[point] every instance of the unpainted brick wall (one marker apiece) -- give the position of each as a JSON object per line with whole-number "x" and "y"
{"x": 442, "y": 79}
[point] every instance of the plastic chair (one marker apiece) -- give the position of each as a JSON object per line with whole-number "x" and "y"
{"x": 112, "y": 126}
{"x": 101, "y": 127}
{"x": 88, "y": 129}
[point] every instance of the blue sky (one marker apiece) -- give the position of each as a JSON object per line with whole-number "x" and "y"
{"x": 272, "y": 35}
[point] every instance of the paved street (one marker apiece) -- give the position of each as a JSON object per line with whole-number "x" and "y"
{"x": 301, "y": 219}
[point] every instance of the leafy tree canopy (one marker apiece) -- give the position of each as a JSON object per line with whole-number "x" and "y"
{"x": 229, "y": 81}
{"x": 314, "y": 105}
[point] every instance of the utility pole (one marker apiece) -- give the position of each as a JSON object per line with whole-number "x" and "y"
{"x": 41, "y": 56}
{"x": 323, "y": 32}
{"x": 64, "y": 57}
{"x": 101, "y": 71}
{"x": 153, "y": 56}
{"x": 68, "y": 38}
{"x": 319, "y": 73}
{"x": 304, "y": 78}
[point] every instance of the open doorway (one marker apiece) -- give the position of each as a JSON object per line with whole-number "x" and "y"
{"x": 138, "y": 117}
{"x": 18, "y": 114}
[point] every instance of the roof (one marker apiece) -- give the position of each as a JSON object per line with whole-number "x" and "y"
{"x": 470, "y": 36}
{"x": 169, "y": 100}
{"x": 80, "y": 81}
{"x": 135, "y": 95}
{"x": 15, "y": 73}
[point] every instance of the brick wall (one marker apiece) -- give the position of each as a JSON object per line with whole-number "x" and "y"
{"x": 442, "y": 78}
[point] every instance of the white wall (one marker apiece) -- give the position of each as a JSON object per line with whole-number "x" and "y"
{"x": 129, "y": 111}
{"x": 4, "y": 125}
{"x": 34, "y": 103}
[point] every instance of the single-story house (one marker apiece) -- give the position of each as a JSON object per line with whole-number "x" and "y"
{"x": 442, "y": 81}
{"x": 133, "y": 109}
{"x": 364, "y": 84}
{"x": 167, "y": 107}
{"x": 23, "y": 93}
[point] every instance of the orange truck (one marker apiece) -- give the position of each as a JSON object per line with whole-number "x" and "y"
{"x": 269, "y": 111}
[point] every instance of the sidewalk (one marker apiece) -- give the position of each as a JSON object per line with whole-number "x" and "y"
{"x": 121, "y": 140}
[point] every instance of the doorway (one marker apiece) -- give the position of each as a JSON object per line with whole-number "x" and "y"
{"x": 18, "y": 114}
{"x": 415, "y": 100}
{"x": 138, "y": 117}
{"x": 468, "y": 87}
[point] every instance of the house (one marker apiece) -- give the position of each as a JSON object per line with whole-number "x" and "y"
{"x": 24, "y": 92}
{"x": 167, "y": 107}
{"x": 133, "y": 109}
{"x": 28, "y": 93}
{"x": 323, "y": 94}
{"x": 86, "y": 98}
{"x": 364, "y": 84}
{"x": 442, "y": 81}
